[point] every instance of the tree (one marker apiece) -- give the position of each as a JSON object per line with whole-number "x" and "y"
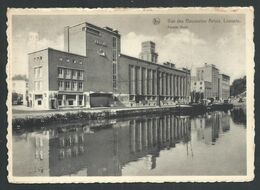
{"x": 238, "y": 86}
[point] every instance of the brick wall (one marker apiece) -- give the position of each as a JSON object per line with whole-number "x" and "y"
{"x": 96, "y": 44}
{"x": 65, "y": 60}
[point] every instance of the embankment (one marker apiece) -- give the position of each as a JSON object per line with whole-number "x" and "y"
{"x": 48, "y": 118}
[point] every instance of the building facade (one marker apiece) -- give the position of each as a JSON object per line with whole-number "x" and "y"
{"x": 210, "y": 127}
{"x": 57, "y": 79}
{"x": 209, "y": 73}
{"x": 144, "y": 83}
{"x": 91, "y": 71}
{"x": 102, "y": 48}
{"x": 213, "y": 84}
{"x": 200, "y": 90}
{"x": 224, "y": 87}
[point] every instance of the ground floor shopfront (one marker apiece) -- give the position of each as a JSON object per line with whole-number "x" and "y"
{"x": 63, "y": 100}
{"x": 58, "y": 100}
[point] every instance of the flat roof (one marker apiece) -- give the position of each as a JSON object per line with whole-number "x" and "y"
{"x": 225, "y": 75}
{"x": 113, "y": 31}
{"x": 58, "y": 51}
{"x": 149, "y": 41}
{"x": 156, "y": 64}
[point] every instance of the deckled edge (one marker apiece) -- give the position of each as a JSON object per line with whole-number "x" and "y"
{"x": 9, "y": 98}
{"x": 249, "y": 12}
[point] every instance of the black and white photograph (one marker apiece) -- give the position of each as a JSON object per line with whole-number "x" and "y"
{"x": 130, "y": 95}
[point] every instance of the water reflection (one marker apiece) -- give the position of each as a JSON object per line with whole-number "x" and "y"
{"x": 210, "y": 125}
{"x": 239, "y": 115}
{"x": 106, "y": 148}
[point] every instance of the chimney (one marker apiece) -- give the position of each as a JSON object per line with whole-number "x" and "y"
{"x": 172, "y": 65}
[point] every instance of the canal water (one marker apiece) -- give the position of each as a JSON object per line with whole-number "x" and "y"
{"x": 210, "y": 144}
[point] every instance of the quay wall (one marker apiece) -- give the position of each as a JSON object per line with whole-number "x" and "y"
{"x": 48, "y": 118}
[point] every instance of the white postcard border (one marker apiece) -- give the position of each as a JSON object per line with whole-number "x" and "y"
{"x": 248, "y": 11}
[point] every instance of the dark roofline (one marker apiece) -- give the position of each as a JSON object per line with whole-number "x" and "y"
{"x": 37, "y": 51}
{"x": 137, "y": 59}
{"x": 51, "y": 49}
{"x": 225, "y": 75}
{"x": 148, "y": 41}
{"x": 104, "y": 29}
{"x": 95, "y": 26}
{"x": 26, "y": 80}
{"x": 67, "y": 52}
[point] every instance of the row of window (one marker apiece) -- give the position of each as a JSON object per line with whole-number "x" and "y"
{"x": 70, "y": 61}
{"x": 114, "y": 40}
{"x": 114, "y": 67}
{"x": 70, "y": 102}
{"x": 162, "y": 75}
{"x": 196, "y": 83}
{"x": 146, "y": 83}
{"x": 70, "y": 74}
{"x": 37, "y": 85}
{"x": 39, "y": 58}
{"x": 70, "y": 85}
{"x": 200, "y": 89}
{"x": 37, "y": 72}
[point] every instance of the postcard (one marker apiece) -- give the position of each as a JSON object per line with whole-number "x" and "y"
{"x": 130, "y": 95}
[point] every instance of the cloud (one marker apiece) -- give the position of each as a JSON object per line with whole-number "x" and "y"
{"x": 183, "y": 47}
{"x": 178, "y": 47}
{"x": 186, "y": 49}
{"x": 22, "y": 45}
{"x": 131, "y": 43}
{"x": 230, "y": 48}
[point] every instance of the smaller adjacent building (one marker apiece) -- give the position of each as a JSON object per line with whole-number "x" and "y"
{"x": 224, "y": 86}
{"x": 200, "y": 90}
{"x": 210, "y": 73}
{"x": 57, "y": 79}
{"x": 209, "y": 83}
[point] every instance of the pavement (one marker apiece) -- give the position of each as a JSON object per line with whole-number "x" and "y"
{"x": 24, "y": 109}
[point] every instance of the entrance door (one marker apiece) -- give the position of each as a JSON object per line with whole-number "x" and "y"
{"x": 53, "y": 104}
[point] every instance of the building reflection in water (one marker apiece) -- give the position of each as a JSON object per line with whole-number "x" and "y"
{"x": 107, "y": 147}
{"x": 149, "y": 136}
{"x": 211, "y": 125}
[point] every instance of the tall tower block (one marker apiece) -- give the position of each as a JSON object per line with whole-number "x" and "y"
{"x": 148, "y": 52}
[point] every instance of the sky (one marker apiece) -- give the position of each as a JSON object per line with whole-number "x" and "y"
{"x": 191, "y": 45}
